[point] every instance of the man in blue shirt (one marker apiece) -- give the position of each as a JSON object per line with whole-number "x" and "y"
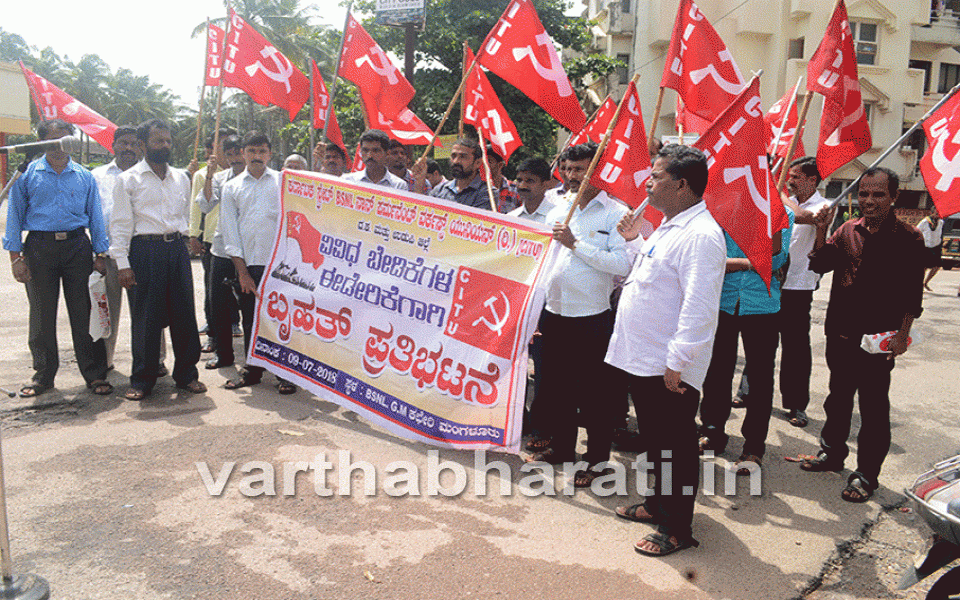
{"x": 56, "y": 201}
{"x": 747, "y": 310}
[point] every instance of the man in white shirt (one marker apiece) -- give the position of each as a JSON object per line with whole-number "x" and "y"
{"x": 931, "y": 228}
{"x": 148, "y": 226}
{"x": 533, "y": 178}
{"x": 249, "y": 216}
{"x": 373, "y": 152}
{"x": 796, "y": 358}
{"x": 126, "y": 152}
{"x": 663, "y": 339}
{"x": 577, "y": 323}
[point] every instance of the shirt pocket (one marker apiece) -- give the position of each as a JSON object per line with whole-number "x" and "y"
{"x": 648, "y": 270}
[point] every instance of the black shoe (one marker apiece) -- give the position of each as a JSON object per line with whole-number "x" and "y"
{"x": 216, "y": 363}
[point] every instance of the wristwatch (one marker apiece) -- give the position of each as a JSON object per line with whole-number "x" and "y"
{"x": 102, "y": 255}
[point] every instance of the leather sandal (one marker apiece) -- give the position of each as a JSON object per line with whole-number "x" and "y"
{"x": 821, "y": 464}
{"x": 662, "y": 541}
{"x": 245, "y": 379}
{"x": 632, "y": 513}
{"x": 33, "y": 389}
{"x": 100, "y": 387}
{"x": 194, "y": 387}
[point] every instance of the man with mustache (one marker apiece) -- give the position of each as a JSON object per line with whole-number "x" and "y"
{"x": 466, "y": 187}
{"x": 249, "y": 216}
{"x": 373, "y": 152}
{"x": 148, "y": 226}
{"x": 56, "y": 201}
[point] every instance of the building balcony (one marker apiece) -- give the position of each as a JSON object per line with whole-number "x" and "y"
{"x": 943, "y": 31}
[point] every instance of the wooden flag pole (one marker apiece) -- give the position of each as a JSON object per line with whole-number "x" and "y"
{"x": 486, "y": 167}
{"x": 456, "y": 96}
{"x": 783, "y": 125}
{"x": 313, "y": 115}
{"x": 656, "y": 117}
{"x": 801, "y": 121}
{"x": 336, "y": 76}
{"x": 599, "y": 153}
{"x": 203, "y": 89}
{"x": 223, "y": 55}
{"x": 463, "y": 105}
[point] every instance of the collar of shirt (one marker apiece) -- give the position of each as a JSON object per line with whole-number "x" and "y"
{"x": 542, "y": 210}
{"x": 451, "y": 184}
{"x": 44, "y": 165}
{"x": 268, "y": 172}
{"x": 682, "y": 218}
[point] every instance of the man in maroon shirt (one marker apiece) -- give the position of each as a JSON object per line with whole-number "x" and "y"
{"x": 877, "y": 262}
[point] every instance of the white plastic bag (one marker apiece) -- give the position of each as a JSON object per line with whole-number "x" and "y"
{"x": 99, "y": 309}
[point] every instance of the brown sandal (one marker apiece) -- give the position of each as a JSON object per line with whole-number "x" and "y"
{"x": 194, "y": 387}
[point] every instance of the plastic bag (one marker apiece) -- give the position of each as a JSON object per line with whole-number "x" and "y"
{"x": 99, "y": 309}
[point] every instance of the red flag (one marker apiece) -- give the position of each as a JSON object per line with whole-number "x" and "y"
{"x": 357, "y": 161}
{"x": 740, "y": 191}
{"x": 255, "y": 66}
{"x": 484, "y": 111}
{"x": 520, "y": 51}
{"x": 406, "y": 128}
{"x": 940, "y": 164}
{"x": 624, "y": 167}
{"x": 54, "y": 103}
{"x": 595, "y": 129}
{"x": 308, "y": 238}
{"x": 700, "y": 68}
{"x": 832, "y": 71}
{"x": 215, "y": 37}
{"x": 321, "y": 102}
{"x": 778, "y": 117}
{"x": 366, "y": 65}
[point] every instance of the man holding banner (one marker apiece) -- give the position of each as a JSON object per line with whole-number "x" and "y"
{"x": 466, "y": 186}
{"x": 663, "y": 339}
{"x": 249, "y": 216}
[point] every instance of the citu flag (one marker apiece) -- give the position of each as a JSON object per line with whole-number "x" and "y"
{"x": 366, "y": 65}
{"x": 940, "y": 164}
{"x": 594, "y": 130}
{"x": 778, "y": 117}
{"x": 519, "y": 50}
{"x": 406, "y": 127}
{"x": 623, "y": 169}
{"x": 54, "y": 103}
{"x": 321, "y": 104}
{"x": 740, "y": 192}
{"x": 700, "y": 68}
{"x": 483, "y": 110}
{"x": 215, "y": 38}
{"x": 254, "y": 65}
{"x": 832, "y": 71}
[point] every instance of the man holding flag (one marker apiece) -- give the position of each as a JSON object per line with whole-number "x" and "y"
{"x": 663, "y": 338}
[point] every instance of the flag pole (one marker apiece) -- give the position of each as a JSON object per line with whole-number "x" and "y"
{"x": 463, "y": 105}
{"x": 336, "y": 76}
{"x": 313, "y": 114}
{"x": 600, "y": 149}
{"x": 486, "y": 167}
{"x": 223, "y": 55}
{"x": 456, "y": 96}
{"x": 783, "y": 125}
{"x": 801, "y": 121}
{"x": 897, "y": 143}
{"x": 656, "y": 117}
{"x": 203, "y": 89}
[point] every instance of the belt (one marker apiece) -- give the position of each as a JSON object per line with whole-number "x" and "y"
{"x": 58, "y": 236}
{"x": 159, "y": 237}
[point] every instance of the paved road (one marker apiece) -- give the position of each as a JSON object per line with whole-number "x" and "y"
{"x": 106, "y": 499}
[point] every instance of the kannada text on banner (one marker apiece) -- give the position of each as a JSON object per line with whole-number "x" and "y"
{"x": 412, "y": 311}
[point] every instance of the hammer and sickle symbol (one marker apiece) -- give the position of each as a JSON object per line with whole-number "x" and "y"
{"x": 498, "y": 321}
{"x": 284, "y": 68}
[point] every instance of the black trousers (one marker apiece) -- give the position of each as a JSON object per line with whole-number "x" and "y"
{"x": 670, "y": 432}
{"x": 224, "y": 308}
{"x": 578, "y": 387}
{"x": 248, "y": 310}
{"x": 759, "y": 333}
{"x": 853, "y": 371}
{"x": 162, "y": 297}
{"x": 54, "y": 262}
{"x": 795, "y": 354}
{"x": 205, "y": 261}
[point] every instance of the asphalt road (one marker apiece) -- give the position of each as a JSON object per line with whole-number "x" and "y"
{"x": 106, "y": 500}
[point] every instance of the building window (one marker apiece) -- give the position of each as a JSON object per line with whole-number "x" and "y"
{"x": 949, "y": 76}
{"x": 625, "y": 6}
{"x": 927, "y": 67}
{"x": 623, "y": 72}
{"x": 795, "y": 49}
{"x": 865, "y": 42}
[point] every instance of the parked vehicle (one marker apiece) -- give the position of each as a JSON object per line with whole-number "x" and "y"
{"x": 951, "y": 241}
{"x": 936, "y": 497}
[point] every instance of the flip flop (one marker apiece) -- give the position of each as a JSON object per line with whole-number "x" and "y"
{"x": 666, "y": 546}
{"x": 194, "y": 387}
{"x": 630, "y": 513}
{"x": 135, "y": 394}
{"x": 584, "y": 477}
{"x": 538, "y": 444}
{"x": 33, "y": 389}
{"x": 244, "y": 380}
{"x": 100, "y": 387}
{"x": 286, "y": 388}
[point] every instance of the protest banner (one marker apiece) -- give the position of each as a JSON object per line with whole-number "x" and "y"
{"x": 412, "y": 311}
